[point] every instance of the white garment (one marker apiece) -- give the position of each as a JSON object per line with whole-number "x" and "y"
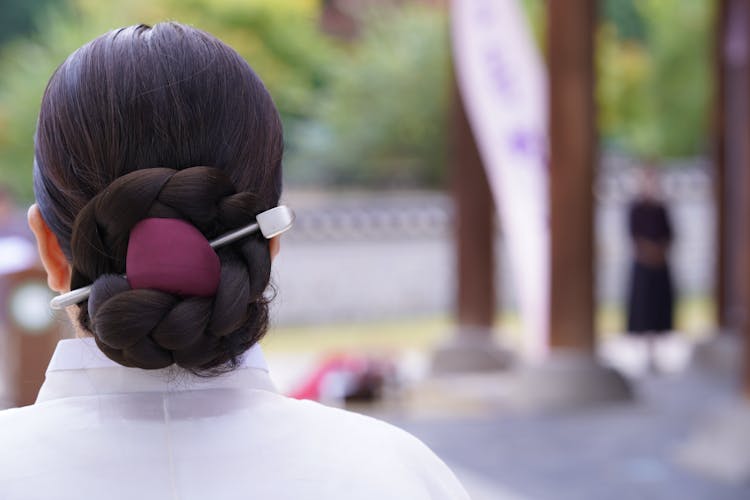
{"x": 103, "y": 431}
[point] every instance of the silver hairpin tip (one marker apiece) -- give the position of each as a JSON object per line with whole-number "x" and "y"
{"x": 275, "y": 221}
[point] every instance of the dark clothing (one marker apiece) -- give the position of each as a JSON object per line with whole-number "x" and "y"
{"x": 648, "y": 219}
{"x": 651, "y": 301}
{"x": 651, "y": 294}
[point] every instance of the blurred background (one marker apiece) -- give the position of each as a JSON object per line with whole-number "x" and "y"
{"x": 371, "y": 286}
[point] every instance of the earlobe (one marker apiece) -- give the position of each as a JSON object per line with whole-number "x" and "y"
{"x": 274, "y": 245}
{"x": 53, "y": 259}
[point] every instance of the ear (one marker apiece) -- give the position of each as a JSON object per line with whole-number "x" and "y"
{"x": 53, "y": 259}
{"x": 274, "y": 245}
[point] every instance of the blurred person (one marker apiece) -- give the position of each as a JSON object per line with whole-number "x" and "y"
{"x": 651, "y": 292}
{"x": 146, "y": 137}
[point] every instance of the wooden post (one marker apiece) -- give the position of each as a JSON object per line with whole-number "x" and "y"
{"x": 736, "y": 78}
{"x": 741, "y": 177}
{"x": 472, "y": 347}
{"x": 31, "y": 332}
{"x": 719, "y": 164}
{"x": 474, "y": 227}
{"x": 726, "y": 433}
{"x": 737, "y": 128}
{"x": 570, "y": 48}
{"x": 731, "y": 154}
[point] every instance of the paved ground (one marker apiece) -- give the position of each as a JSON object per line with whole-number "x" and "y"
{"x": 615, "y": 451}
{"x": 623, "y": 451}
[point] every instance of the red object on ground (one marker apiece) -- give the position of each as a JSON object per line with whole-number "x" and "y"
{"x": 344, "y": 377}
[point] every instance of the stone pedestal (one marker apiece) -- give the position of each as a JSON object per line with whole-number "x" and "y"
{"x": 721, "y": 354}
{"x": 567, "y": 379}
{"x": 470, "y": 350}
{"x": 720, "y": 448}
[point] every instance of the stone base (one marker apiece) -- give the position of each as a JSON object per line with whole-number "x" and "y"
{"x": 722, "y": 353}
{"x": 470, "y": 350}
{"x": 721, "y": 447}
{"x": 567, "y": 379}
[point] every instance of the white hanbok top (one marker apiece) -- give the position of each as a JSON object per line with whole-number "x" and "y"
{"x": 103, "y": 431}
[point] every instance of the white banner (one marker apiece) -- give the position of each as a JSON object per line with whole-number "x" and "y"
{"x": 503, "y": 85}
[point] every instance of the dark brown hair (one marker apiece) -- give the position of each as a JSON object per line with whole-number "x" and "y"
{"x": 160, "y": 122}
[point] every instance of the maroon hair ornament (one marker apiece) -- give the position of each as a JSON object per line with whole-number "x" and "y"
{"x": 172, "y": 256}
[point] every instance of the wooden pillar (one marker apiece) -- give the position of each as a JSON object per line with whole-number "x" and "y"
{"x": 31, "y": 332}
{"x": 570, "y": 48}
{"x": 719, "y": 165}
{"x": 737, "y": 131}
{"x": 726, "y": 433}
{"x": 474, "y": 228}
{"x": 740, "y": 175}
{"x": 736, "y": 192}
{"x": 570, "y": 376}
{"x": 471, "y": 347}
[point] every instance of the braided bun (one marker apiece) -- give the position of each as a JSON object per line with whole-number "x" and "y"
{"x": 173, "y": 96}
{"x": 152, "y": 329}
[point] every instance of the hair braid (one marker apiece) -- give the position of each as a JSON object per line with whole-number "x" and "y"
{"x": 154, "y": 329}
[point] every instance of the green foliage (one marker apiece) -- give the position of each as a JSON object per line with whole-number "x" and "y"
{"x": 536, "y": 14}
{"x": 654, "y": 94}
{"x": 280, "y": 39}
{"x": 25, "y": 67}
{"x": 624, "y": 67}
{"x": 625, "y": 17}
{"x": 376, "y": 105}
{"x": 382, "y": 119}
{"x": 17, "y": 17}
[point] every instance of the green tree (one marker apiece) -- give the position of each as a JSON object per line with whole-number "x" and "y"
{"x": 654, "y": 94}
{"x": 17, "y": 17}
{"x": 372, "y": 110}
{"x": 280, "y": 39}
{"x": 382, "y": 119}
{"x": 25, "y": 67}
{"x": 625, "y": 17}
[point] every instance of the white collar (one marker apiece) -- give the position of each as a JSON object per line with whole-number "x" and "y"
{"x": 82, "y": 353}
{"x": 79, "y": 368}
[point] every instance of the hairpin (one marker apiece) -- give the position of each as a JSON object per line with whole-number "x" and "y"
{"x": 271, "y": 223}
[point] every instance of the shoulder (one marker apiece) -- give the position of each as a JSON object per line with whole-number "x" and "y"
{"x": 377, "y": 446}
{"x": 29, "y": 425}
{"x": 339, "y": 421}
{"x": 25, "y": 431}
{"x": 16, "y": 422}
